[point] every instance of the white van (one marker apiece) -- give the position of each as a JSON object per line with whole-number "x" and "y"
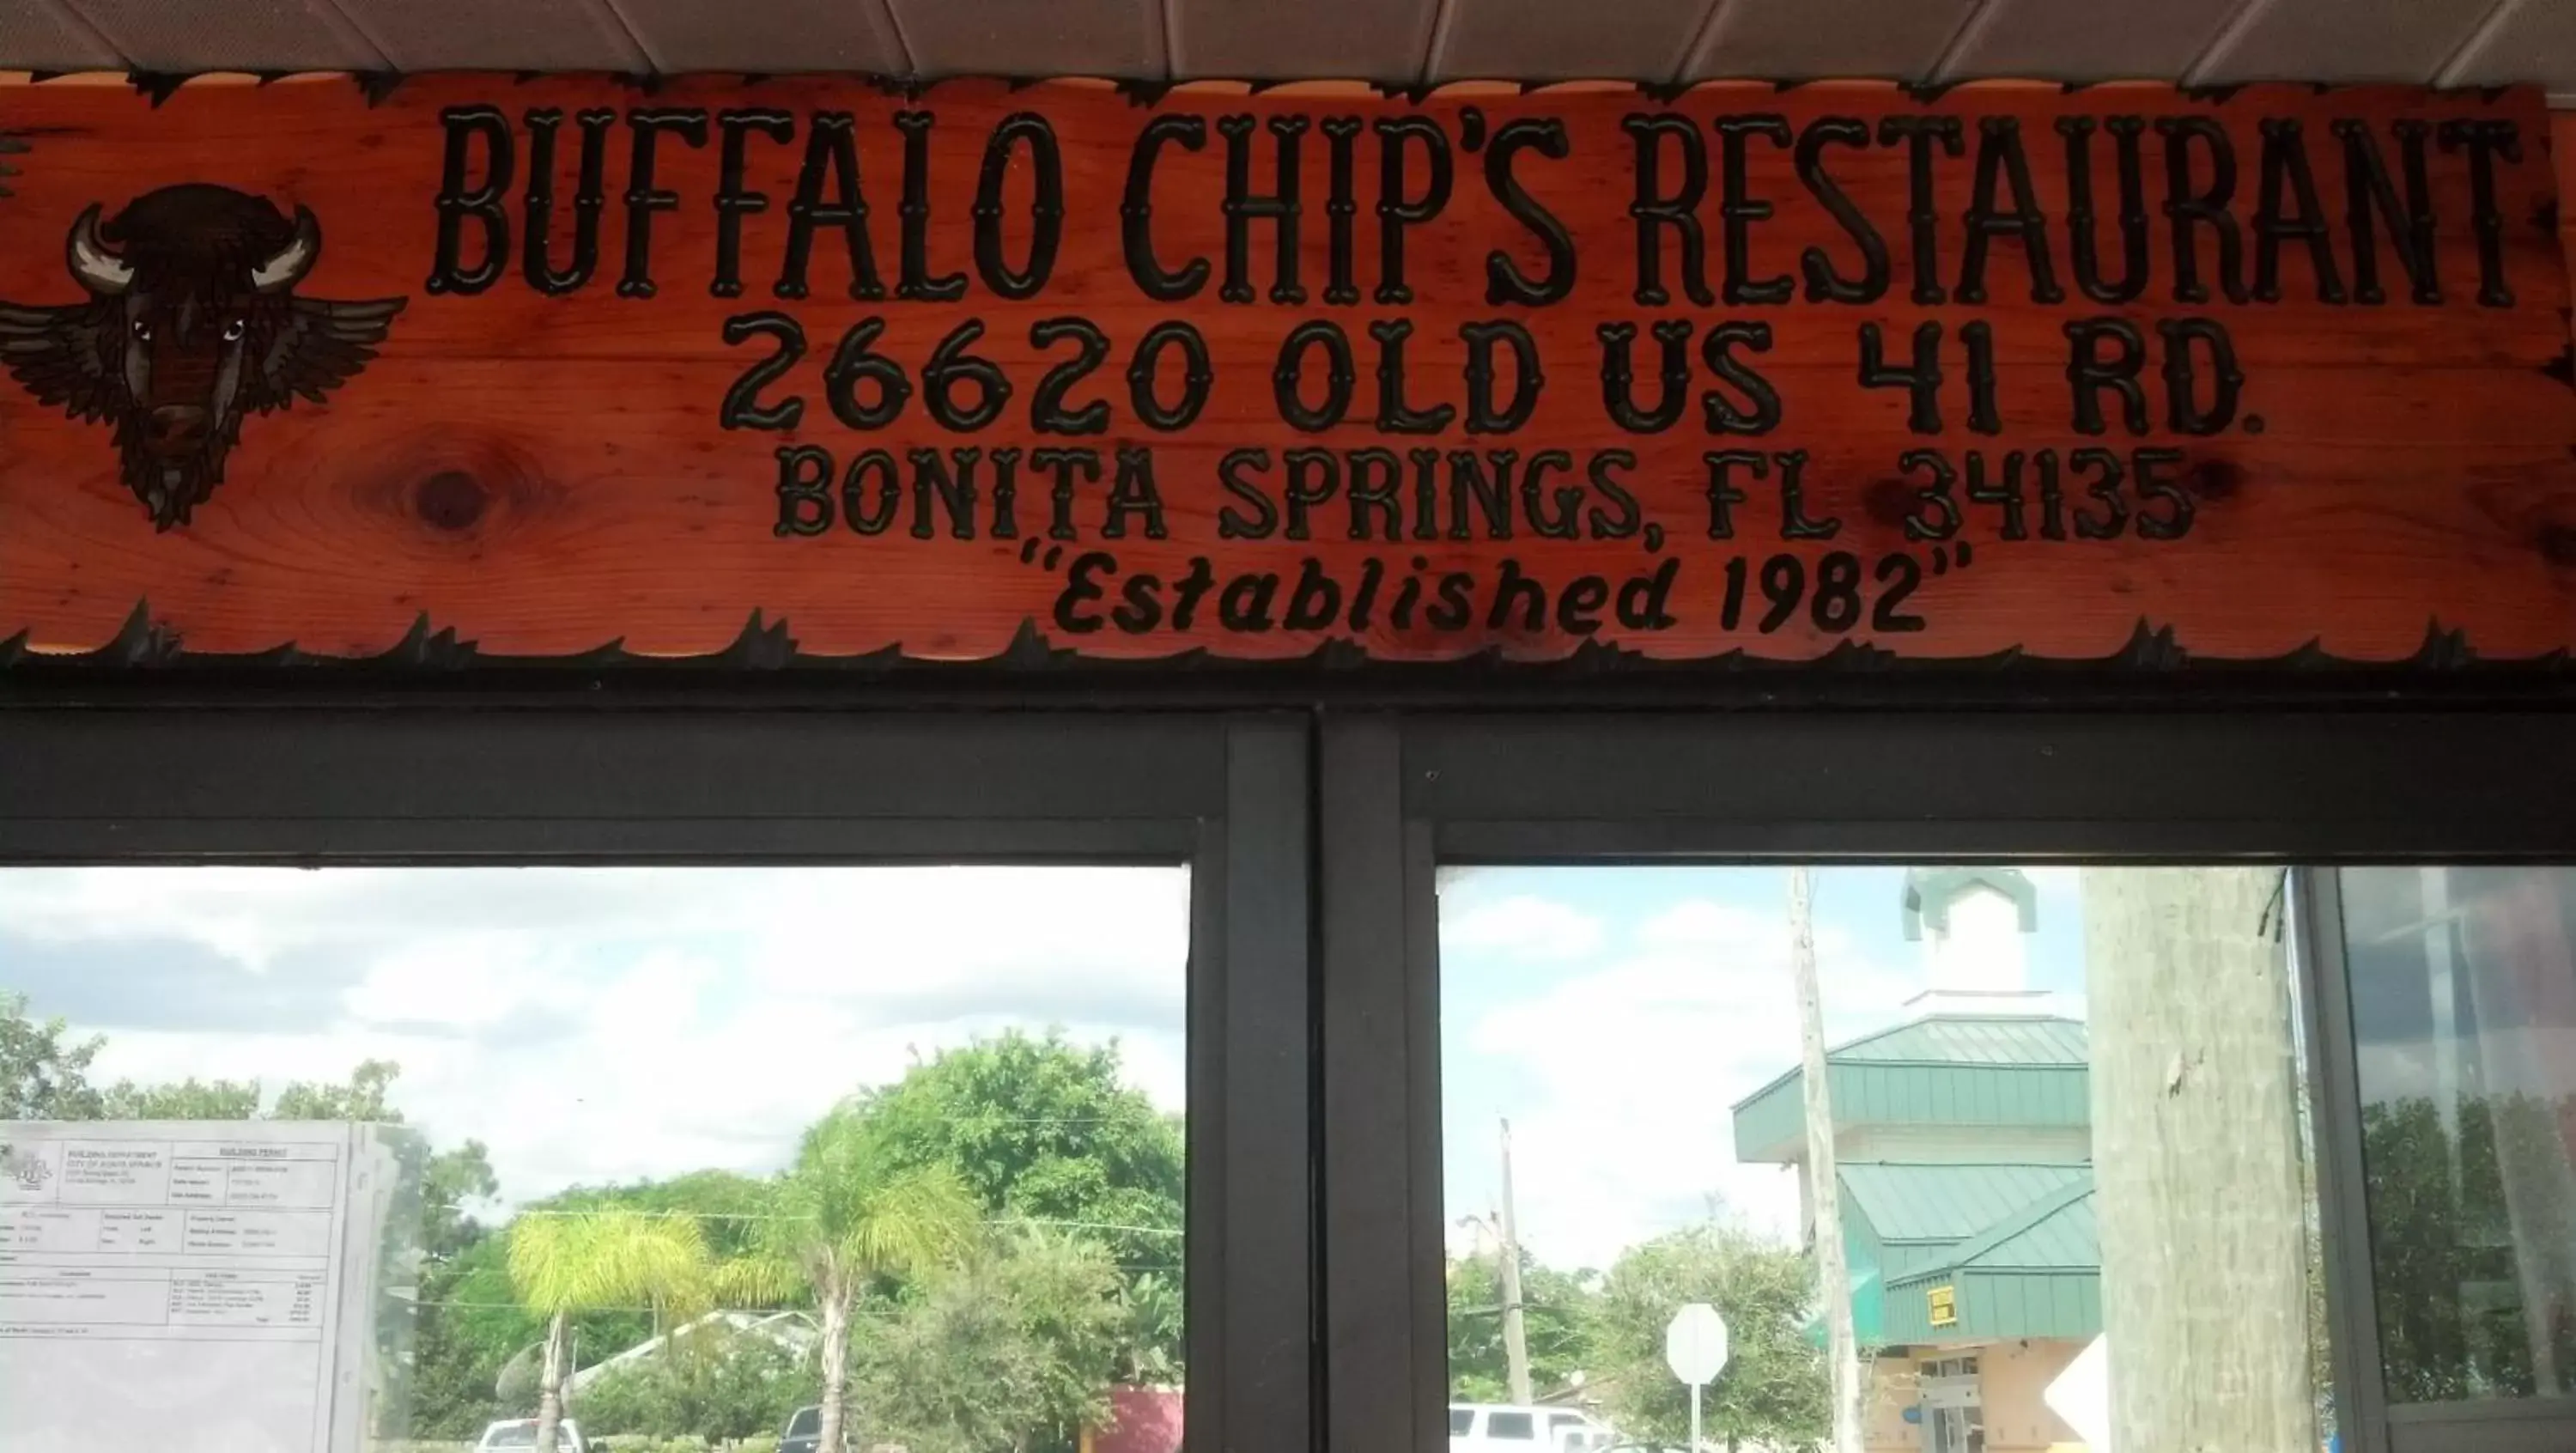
{"x": 1504, "y": 1428}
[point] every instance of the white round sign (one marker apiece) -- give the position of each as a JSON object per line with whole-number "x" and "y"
{"x": 1695, "y": 1344}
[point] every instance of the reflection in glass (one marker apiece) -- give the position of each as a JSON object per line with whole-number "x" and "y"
{"x": 449, "y": 1159}
{"x": 2464, "y": 1010}
{"x": 1626, "y": 1130}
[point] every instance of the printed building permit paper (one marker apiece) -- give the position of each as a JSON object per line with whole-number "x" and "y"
{"x": 196, "y": 1286}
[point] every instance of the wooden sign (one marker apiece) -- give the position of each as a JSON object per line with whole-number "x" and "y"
{"x": 556, "y": 365}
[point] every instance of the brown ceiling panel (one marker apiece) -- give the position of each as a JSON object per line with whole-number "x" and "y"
{"x": 1562, "y": 40}
{"x": 2530, "y": 40}
{"x": 1802, "y": 39}
{"x": 1286, "y": 40}
{"x": 43, "y": 35}
{"x": 767, "y": 36}
{"x": 2341, "y": 40}
{"x": 183, "y": 36}
{"x": 512, "y": 35}
{"x": 1121, "y": 38}
{"x": 2143, "y": 40}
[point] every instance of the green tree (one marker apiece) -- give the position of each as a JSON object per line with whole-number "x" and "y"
{"x": 714, "y": 1383}
{"x": 573, "y": 1261}
{"x": 1775, "y": 1389}
{"x": 1013, "y": 1350}
{"x": 43, "y": 1076}
{"x": 1046, "y": 1131}
{"x": 844, "y": 1216}
{"x": 1556, "y": 1314}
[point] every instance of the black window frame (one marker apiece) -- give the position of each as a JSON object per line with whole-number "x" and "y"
{"x": 458, "y": 783}
{"x": 2302, "y": 787}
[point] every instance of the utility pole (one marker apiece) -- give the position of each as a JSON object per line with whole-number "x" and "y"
{"x": 1833, "y": 1273}
{"x": 1515, "y": 1335}
{"x": 2196, "y": 1161}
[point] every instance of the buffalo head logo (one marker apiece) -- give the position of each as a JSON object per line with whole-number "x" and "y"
{"x": 192, "y": 322}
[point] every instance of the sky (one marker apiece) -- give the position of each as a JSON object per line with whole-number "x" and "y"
{"x": 1616, "y": 1014}
{"x": 599, "y": 1024}
{"x": 611, "y": 1024}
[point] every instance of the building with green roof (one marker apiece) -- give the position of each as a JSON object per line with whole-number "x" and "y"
{"x": 1963, "y": 1154}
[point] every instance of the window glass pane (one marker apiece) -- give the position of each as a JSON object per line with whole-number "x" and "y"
{"x": 2067, "y": 1115}
{"x": 431, "y": 1160}
{"x": 1515, "y": 1426}
{"x": 1461, "y": 1422}
{"x": 2464, "y": 1012}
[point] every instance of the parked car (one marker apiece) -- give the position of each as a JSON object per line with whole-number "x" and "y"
{"x": 805, "y": 1433}
{"x": 1505, "y": 1428}
{"x": 512, "y": 1433}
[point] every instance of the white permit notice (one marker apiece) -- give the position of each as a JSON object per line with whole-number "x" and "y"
{"x": 184, "y": 1286}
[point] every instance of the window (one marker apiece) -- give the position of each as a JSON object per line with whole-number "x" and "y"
{"x": 1462, "y": 1421}
{"x": 1512, "y": 1427}
{"x": 1626, "y": 1131}
{"x": 719, "y": 933}
{"x": 2463, "y": 986}
{"x": 589, "y": 1132}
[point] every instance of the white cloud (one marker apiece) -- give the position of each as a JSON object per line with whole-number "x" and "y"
{"x": 1624, "y": 1076}
{"x": 604, "y": 1024}
{"x": 1524, "y": 926}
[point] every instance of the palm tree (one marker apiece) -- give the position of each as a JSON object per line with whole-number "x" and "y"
{"x": 843, "y": 1216}
{"x": 562, "y": 1262}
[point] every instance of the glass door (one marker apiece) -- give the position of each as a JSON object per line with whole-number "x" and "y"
{"x": 2002, "y": 1082}
{"x": 451, "y": 1082}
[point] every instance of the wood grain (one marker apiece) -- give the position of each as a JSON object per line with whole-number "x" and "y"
{"x": 545, "y": 475}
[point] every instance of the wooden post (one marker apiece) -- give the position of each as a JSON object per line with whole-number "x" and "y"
{"x": 2196, "y": 1161}
{"x": 1516, "y": 1367}
{"x": 1833, "y": 1274}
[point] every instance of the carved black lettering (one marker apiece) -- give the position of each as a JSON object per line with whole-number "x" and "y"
{"x": 1654, "y": 209}
{"x": 1723, "y": 496}
{"x": 1922, "y": 381}
{"x": 889, "y": 493}
{"x": 2485, "y": 140}
{"x": 643, "y": 198}
{"x": 1623, "y": 519}
{"x": 1281, "y": 208}
{"x": 1263, "y": 522}
{"x": 1065, "y": 464}
{"x": 804, "y": 490}
{"x": 1394, "y": 414}
{"x": 1482, "y": 416}
{"x": 1144, "y": 393}
{"x": 742, "y": 408}
{"x": 1761, "y": 413}
{"x": 2081, "y": 215}
{"x": 2286, "y": 179}
{"x": 2088, "y": 372}
{"x": 1491, "y": 494}
{"x": 2186, "y": 211}
{"x": 461, "y": 201}
{"x": 1287, "y": 378}
{"x": 1565, "y": 520}
{"x": 1047, "y": 413}
{"x": 1505, "y": 283}
{"x": 1921, "y": 135}
{"x": 935, "y": 484}
{"x": 1342, "y": 208}
{"x": 1046, "y": 205}
{"x": 1737, "y": 210}
{"x": 1824, "y": 283}
{"x": 831, "y": 161}
{"x": 913, "y": 277}
{"x": 590, "y": 198}
{"x": 2369, "y": 195}
{"x": 1376, "y": 476}
{"x": 1314, "y": 477}
{"x": 1397, "y": 211}
{"x": 1618, "y": 375}
{"x": 1136, "y": 211}
{"x": 735, "y": 197}
{"x": 2000, "y": 159}
{"x": 2184, "y": 412}
{"x": 1133, "y": 493}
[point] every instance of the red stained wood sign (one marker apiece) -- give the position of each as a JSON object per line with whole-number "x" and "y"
{"x": 556, "y": 364}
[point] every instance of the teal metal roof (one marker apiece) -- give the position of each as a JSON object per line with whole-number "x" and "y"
{"x": 1950, "y": 1203}
{"x": 2037, "y": 1273}
{"x": 1964, "y": 1039}
{"x": 1945, "y": 1069}
{"x": 2056, "y": 1232}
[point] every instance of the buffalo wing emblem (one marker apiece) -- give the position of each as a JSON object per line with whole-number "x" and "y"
{"x": 192, "y": 322}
